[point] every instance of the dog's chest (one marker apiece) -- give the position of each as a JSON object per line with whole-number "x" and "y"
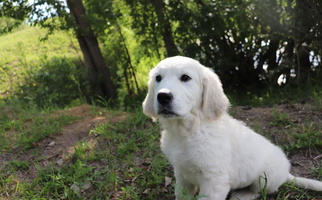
{"x": 181, "y": 153}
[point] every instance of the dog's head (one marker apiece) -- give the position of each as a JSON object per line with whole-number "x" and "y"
{"x": 180, "y": 86}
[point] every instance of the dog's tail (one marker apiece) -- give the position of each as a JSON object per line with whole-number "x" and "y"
{"x": 305, "y": 183}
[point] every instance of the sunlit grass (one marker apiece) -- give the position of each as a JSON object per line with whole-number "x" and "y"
{"x": 23, "y": 51}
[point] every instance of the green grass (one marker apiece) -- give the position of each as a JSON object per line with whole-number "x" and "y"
{"x": 280, "y": 119}
{"x": 42, "y": 72}
{"x": 123, "y": 162}
{"x": 22, "y": 51}
{"x": 297, "y": 136}
{"x": 306, "y": 136}
{"x": 22, "y": 127}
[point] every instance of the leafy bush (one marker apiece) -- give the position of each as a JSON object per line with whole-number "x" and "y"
{"x": 57, "y": 82}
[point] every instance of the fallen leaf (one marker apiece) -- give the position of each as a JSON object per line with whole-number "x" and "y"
{"x": 145, "y": 191}
{"x": 75, "y": 188}
{"x": 168, "y": 181}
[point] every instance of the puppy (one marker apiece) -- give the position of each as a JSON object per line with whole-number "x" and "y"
{"x": 211, "y": 152}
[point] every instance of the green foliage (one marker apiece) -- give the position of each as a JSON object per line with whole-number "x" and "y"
{"x": 273, "y": 96}
{"x": 57, "y": 82}
{"x": 135, "y": 141}
{"x": 22, "y": 58}
{"x": 53, "y": 183}
{"x": 263, "y": 186}
{"x": 250, "y": 44}
{"x": 184, "y": 193}
{"x": 307, "y": 137}
{"x": 280, "y": 119}
{"x": 317, "y": 170}
{"x": 16, "y": 165}
{"x": 7, "y": 24}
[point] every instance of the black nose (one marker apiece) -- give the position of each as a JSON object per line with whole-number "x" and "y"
{"x": 164, "y": 98}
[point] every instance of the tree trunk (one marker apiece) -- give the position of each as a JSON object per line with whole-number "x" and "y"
{"x": 170, "y": 46}
{"x": 98, "y": 72}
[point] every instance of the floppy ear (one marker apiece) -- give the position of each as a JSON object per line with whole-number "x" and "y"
{"x": 214, "y": 100}
{"x": 148, "y": 103}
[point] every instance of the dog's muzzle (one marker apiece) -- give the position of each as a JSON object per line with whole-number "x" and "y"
{"x": 165, "y": 99}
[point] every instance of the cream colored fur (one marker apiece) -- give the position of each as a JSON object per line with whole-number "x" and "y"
{"x": 211, "y": 152}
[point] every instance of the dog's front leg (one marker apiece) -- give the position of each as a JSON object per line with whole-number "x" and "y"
{"x": 214, "y": 190}
{"x": 183, "y": 189}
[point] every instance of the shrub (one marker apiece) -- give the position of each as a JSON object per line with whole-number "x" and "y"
{"x": 57, "y": 82}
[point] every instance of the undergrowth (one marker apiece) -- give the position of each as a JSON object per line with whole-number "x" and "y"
{"x": 58, "y": 82}
{"x": 276, "y": 95}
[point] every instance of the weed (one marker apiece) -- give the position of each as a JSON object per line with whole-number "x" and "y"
{"x": 307, "y": 137}
{"x": 290, "y": 191}
{"x": 317, "y": 170}
{"x": 280, "y": 119}
{"x": 184, "y": 193}
{"x": 41, "y": 128}
{"x": 263, "y": 186}
{"x": 9, "y": 185}
{"x": 54, "y": 183}
{"x": 272, "y": 95}
{"x": 83, "y": 151}
{"x": 19, "y": 165}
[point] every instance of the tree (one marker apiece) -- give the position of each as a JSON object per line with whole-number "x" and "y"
{"x": 58, "y": 17}
{"x": 98, "y": 72}
{"x": 12, "y": 16}
{"x": 250, "y": 44}
{"x": 166, "y": 31}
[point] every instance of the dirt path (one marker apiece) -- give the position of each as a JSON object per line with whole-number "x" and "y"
{"x": 59, "y": 147}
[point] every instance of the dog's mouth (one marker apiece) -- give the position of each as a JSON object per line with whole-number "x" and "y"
{"x": 167, "y": 113}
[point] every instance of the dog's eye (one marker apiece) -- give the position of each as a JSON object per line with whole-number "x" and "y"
{"x": 185, "y": 78}
{"x": 158, "y": 78}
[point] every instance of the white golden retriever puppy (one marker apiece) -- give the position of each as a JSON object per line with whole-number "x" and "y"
{"x": 211, "y": 152}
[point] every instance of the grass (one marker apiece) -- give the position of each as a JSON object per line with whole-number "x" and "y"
{"x": 123, "y": 161}
{"x": 22, "y": 127}
{"x": 304, "y": 135}
{"x": 22, "y": 52}
{"x": 307, "y": 136}
{"x": 280, "y": 119}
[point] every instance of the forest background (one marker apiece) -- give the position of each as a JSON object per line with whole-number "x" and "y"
{"x": 259, "y": 48}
